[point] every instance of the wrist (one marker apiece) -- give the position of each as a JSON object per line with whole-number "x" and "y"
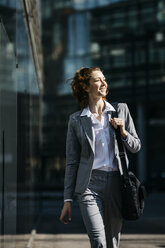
{"x": 67, "y": 202}
{"x": 124, "y": 134}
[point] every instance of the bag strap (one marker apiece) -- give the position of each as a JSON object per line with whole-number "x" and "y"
{"x": 122, "y": 153}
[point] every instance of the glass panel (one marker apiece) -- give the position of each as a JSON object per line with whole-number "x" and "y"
{"x": 20, "y": 127}
{"x": 156, "y": 150}
{"x": 8, "y": 139}
{"x": 29, "y": 130}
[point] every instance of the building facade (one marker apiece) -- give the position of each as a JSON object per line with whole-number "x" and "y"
{"x": 20, "y": 126}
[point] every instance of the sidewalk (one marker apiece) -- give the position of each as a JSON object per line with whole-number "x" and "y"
{"x": 81, "y": 241}
{"x": 77, "y": 241}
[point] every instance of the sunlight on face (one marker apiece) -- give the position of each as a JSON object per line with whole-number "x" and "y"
{"x": 96, "y": 76}
{"x": 97, "y": 85}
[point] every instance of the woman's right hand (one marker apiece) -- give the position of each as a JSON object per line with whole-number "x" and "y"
{"x": 67, "y": 209}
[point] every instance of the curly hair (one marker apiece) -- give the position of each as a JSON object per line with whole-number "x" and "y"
{"x": 79, "y": 82}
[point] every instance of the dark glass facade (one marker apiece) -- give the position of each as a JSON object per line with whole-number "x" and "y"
{"x": 20, "y": 137}
{"x": 8, "y": 134}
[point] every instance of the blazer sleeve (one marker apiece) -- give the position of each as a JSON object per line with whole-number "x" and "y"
{"x": 72, "y": 160}
{"x": 132, "y": 143}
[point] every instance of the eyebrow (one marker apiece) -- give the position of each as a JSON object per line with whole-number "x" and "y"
{"x": 99, "y": 78}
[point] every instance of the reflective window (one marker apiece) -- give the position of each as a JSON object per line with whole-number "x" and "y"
{"x": 8, "y": 135}
{"x": 20, "y": 131}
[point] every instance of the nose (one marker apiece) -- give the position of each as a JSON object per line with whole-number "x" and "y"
{"x": 103, "y": 82}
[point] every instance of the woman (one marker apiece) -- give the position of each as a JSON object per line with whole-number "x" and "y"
{"x": 93, "y": 167}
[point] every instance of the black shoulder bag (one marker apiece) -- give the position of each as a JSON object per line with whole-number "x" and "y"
{"x": 133, "y": 192}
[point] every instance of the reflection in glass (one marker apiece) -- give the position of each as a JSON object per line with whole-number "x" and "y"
{"x": 8, "y": 138}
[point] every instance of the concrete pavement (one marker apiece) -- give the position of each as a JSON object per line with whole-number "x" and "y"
{"x": 15, "y": 241}
{"x": 78, "y": 241}
{"x": 81, "y": 241}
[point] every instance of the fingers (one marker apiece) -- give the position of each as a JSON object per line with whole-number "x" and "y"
{"x": 116, "y": 122}
{"x": 62, "y": 217}
{"x": 67, "y": 210}
{"x": 113, "y": 123}
{"x": 69, "y": 214}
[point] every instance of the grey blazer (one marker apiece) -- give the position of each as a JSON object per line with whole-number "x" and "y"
{"x": 80, "y": 148}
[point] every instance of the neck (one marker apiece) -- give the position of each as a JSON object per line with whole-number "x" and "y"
{"x": 96, "y": 106}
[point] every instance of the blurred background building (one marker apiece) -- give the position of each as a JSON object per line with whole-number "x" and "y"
{"x": 42, "y": 44}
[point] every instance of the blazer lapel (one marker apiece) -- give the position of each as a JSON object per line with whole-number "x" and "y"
{"x": 89, "y": 131}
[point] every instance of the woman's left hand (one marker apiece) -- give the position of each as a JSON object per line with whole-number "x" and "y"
{"x": 119, "y": 122}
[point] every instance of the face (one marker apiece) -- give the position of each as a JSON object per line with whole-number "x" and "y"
{"x": 97, "y": 85}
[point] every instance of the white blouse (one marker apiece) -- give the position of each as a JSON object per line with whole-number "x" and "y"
{"x": 104, "y": 152}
